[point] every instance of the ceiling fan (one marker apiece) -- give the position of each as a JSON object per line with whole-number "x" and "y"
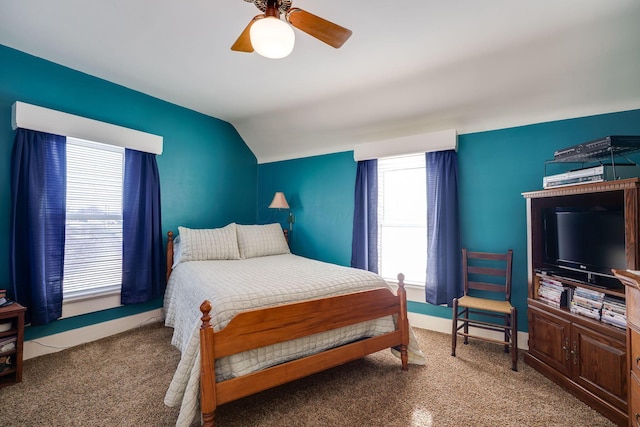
{"x": 279, "y": 37}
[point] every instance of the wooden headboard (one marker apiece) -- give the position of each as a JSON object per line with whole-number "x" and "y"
{"x": 169, "y": 253}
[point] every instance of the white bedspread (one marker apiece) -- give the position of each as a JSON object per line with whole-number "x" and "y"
{"x": 234, "y": 286}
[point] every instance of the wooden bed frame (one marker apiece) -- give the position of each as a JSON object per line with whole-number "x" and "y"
{"x": 258, "y": 328}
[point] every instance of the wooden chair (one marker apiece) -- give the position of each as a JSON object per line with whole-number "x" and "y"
{"x": 487, "y": 296}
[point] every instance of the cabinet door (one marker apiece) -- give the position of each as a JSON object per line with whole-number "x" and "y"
{"x": 634, "y": 402}
{"x": 599, "y": 365}
{"x": 549, "y": 339}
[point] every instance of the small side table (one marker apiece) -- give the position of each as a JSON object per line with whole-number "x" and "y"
{"x": 11, "y": 360}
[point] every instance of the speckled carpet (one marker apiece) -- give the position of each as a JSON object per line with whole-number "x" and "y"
{"x": 121, "y": 381}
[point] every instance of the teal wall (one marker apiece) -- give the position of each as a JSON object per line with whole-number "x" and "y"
{"x": 204, "y": 159}
{"x": 320, "y": 193}
{"x": 495, "y": 167}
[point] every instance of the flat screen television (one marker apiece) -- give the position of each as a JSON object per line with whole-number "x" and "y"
{"x": 586, "y": 243}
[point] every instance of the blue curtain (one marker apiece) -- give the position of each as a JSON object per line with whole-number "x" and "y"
{"x": 37, "y": 228}
{"x": 142, "y": 250}
{"x": 444, "y": 259}
{"x": 364, "y": 246}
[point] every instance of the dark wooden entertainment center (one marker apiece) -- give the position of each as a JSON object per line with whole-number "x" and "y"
{"x": 589, "y": 358}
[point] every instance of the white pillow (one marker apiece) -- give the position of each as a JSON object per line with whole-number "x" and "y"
{"x": 209, "y": 243}
{"x": 177, "y": 252}
{"x": 261, "y": 240}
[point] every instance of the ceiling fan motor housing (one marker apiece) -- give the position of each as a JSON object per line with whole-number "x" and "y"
{"x": 281, "y": 5}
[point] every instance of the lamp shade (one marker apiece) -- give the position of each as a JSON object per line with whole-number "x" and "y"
{"x": 279, "y": 201}
{"x": 272, "y": 38}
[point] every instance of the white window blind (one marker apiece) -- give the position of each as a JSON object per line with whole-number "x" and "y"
{"x": 93, "y": 246}
{"x": 402, "y": 218}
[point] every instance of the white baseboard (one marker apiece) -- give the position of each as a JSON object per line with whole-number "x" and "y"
{"x": 440, "y": 324}
{"x": 74, "y": 337}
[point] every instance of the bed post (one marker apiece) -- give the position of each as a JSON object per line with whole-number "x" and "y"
{"x": 403, "y": 323}
{"x": 207, "y": 373}
{"x": 169, "y": 253}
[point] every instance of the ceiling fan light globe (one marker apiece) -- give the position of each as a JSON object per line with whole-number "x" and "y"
{"x": 272, "y": 38}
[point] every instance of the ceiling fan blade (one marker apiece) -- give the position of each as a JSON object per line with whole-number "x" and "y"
{"x": 243, "y": 44}
{"x": 332, "y": 34}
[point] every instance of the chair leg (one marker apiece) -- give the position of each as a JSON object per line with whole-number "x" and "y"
{"x": 454, "y": 328}
{"x": 507, "y": 332}
{"x": 514, "y": 339}
{"x": 466, "y": 313}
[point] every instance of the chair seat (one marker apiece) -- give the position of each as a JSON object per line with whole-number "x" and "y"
{"x": 485, "y": 304}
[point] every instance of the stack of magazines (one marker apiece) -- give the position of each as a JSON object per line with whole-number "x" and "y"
{"x": 5, "y": 363}
{"x": 553, "y": 292}
{"x": 587, "y": 302}
{"x": 8, "y": 344}
{"x": 3, "y": 298}
{"x": 614, "y": 312}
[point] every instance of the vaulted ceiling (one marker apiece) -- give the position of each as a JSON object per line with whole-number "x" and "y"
{"x": 410, "y": 67}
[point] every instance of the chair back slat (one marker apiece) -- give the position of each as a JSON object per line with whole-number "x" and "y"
{"x": 484, "y": 286}
{"x": 486, "y": 271}
{"x": 487, "y": 256}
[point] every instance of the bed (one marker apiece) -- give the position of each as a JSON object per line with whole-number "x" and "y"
{"x": 267, "y": 317}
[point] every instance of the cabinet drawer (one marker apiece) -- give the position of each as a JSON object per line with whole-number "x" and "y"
{"x": 634, "y": 402}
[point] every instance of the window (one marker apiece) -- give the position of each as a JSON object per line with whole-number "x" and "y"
{"x": 93, "y": 246}
{"x": 402, "y": 218}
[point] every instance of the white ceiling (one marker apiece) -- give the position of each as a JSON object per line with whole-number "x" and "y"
{"x": 410, "y": 67}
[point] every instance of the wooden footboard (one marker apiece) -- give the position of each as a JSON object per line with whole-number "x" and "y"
{"x": 258, "y": 328}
